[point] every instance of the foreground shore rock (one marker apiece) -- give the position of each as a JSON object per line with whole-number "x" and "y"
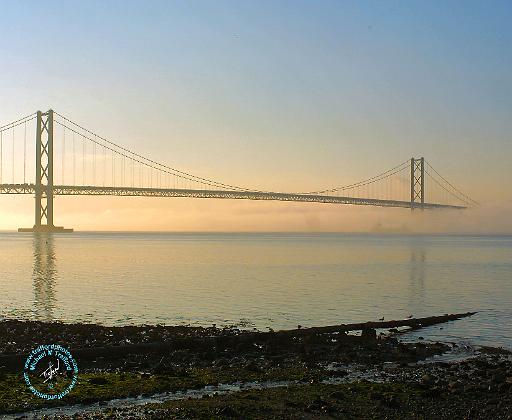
{"x": 305, "y": 373}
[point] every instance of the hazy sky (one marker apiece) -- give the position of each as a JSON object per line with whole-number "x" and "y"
{"x": 290, "y": 95}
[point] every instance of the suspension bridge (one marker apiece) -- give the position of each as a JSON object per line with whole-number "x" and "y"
{"x": 71, "y": 160}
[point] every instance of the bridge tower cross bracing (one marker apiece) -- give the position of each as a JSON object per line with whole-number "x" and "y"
{"x": 417, "y": 183}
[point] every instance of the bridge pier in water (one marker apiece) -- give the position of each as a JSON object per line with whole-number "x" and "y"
{"x": 44, "y": 177}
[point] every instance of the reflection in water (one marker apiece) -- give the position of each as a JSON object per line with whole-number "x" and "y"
{"x": 277, "y": 280}
{"x": 417, "y": 276}
{"x": 44, "y": 276}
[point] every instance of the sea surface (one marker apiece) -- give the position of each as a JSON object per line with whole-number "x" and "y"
{"x": 261, "y": 280}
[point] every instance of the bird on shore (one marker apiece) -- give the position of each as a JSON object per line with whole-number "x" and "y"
{"x": 381, "y": 319}
{"x": 409, "y": 317}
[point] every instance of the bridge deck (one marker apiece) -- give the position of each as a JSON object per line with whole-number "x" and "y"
{"x": 219, "y": 194}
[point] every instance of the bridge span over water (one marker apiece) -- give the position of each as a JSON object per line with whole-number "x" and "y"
{"x": 93, "y": 165}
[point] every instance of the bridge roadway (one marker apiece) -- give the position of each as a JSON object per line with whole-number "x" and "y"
{"x": 219, "y": 194}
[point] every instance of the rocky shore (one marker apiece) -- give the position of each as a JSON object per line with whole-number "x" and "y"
{"x": 195, "y": 372}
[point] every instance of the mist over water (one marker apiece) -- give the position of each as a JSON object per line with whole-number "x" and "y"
{"x": 260, "y": 280}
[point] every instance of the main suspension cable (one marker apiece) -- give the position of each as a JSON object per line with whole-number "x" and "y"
{"x": 18, "y": 122}
{"x": 185, "y": 175}
{"x": 375, "y": 178}
{"x": 451, "y": 185}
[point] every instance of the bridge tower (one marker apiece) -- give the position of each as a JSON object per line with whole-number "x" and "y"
{"x": 44, "y": 176}
{"x": 417, "y": 183}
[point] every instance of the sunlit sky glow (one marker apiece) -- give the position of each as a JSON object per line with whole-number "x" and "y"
{"x": 287, "y": 96}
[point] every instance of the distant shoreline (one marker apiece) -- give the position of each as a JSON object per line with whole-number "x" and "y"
{"x": 390, "y": 232}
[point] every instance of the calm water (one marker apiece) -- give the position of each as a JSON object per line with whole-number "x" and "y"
{"x": 260, "y": 280}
